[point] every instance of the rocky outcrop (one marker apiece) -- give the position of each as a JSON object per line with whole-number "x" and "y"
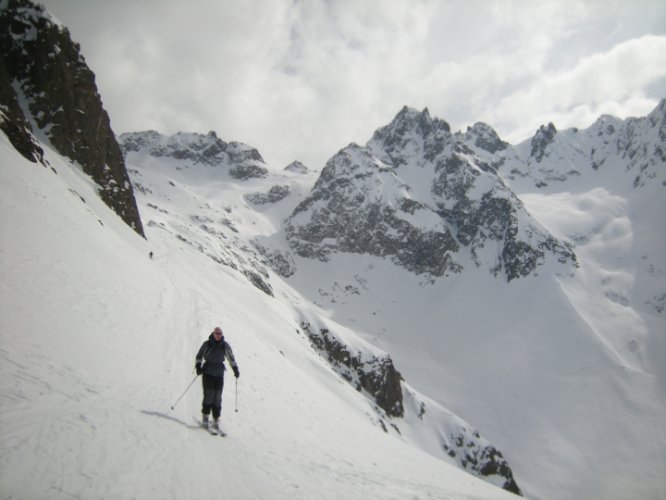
{"x": 14, "y": 124}
{"x": 274, "y": 195}
{"x": 241, "y": 161}
{"x": 47, "y": 72}
{"x": 477, "y": 456}
{"x": 485, "y": 137}
{"x": 297, "y": 167}
{"x": 346, "y": 212}
{"x": 411, "y": 137}
{"x": 376, "y": 375}
{"x": 543, "y": 137}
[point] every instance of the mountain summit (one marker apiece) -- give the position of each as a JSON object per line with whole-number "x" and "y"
{"x": 430, "y": 200}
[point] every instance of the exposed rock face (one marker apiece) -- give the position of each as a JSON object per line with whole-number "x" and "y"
{"x": 375, "y": 375}
{"x": 421, "y": 196}
{"x": 274, "y": 195}
{"x": 280, "y": 262}
{"x": 411, "y": 137}
{"x": 13, "y": 122}
{"x": 256, "y": 279}
{"x": 544, "y": 136}
{"x": 479, "y": 457}
{"x": 47, "y": 72}
{"x": 346, "y": 212}
{"x": 240, "y": 160}
{"x": 297, "y": 167}
{"x": 485, "y": 137}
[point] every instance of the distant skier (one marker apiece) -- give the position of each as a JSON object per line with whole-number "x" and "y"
{"x": 151, "y": 255}
{"x": 210, "y": 364}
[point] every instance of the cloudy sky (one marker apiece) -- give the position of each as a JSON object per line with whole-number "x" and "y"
{"x": 300, "y": 79}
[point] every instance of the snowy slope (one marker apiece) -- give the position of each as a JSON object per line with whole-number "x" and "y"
{"x": 561, "y": 372}
{"x": 203, "y": 208}
{"x": 97, "y": 341}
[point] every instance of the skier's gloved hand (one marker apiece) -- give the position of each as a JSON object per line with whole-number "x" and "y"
{"x": 199, "y": 369}
{"x": 236, "y": 372}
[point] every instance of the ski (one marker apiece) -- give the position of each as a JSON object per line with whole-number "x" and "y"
{"x": 211, "y": 430}
{"x": 216, "y": 432}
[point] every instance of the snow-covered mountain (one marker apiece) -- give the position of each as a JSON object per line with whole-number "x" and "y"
{"x": 418, "y": 288}
{"x": 207, "y": 208}
{"x": 429, "y": 200}
{"x": 547, "y": 358}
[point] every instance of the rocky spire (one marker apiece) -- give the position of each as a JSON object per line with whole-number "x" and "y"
{"x": 543, "y": 137}
{"x": 411, "y": 131}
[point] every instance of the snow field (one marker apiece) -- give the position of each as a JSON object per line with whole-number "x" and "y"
{"x": 97, "y": 341}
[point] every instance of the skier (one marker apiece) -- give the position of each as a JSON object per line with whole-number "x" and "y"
{"x": 210, "y": 364}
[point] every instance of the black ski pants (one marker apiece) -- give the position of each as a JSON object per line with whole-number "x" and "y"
{"x": 212, "y": 395}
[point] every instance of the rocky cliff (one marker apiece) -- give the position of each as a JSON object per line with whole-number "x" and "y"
{"x": 48, "y": 89}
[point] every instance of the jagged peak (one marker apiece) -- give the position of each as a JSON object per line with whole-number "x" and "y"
{"x": 549, "y": 129}
{"x": 542, "y": 138}
{"x": 408, "y": 112}
{"x": 297, "y": 167}
{"x": 485, "y": 137}
{"x": 412, "y": 119}
{"x": 408, "y": 132}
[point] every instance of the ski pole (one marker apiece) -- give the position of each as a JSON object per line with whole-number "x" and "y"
{"x": 236, "y": 402}
{"x": 181, "y": 396}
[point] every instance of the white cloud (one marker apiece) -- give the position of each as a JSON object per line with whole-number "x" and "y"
{"x": 613, "y": 82}
{"x": 301, "y": 79}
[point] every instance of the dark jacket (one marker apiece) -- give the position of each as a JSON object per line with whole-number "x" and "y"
{"x": 212, "y": 354}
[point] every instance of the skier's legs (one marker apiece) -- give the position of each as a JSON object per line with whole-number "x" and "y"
{"x": 217, "y": 398}
{"x": 212, "y": 395}
{"x": 208, "y": 383}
